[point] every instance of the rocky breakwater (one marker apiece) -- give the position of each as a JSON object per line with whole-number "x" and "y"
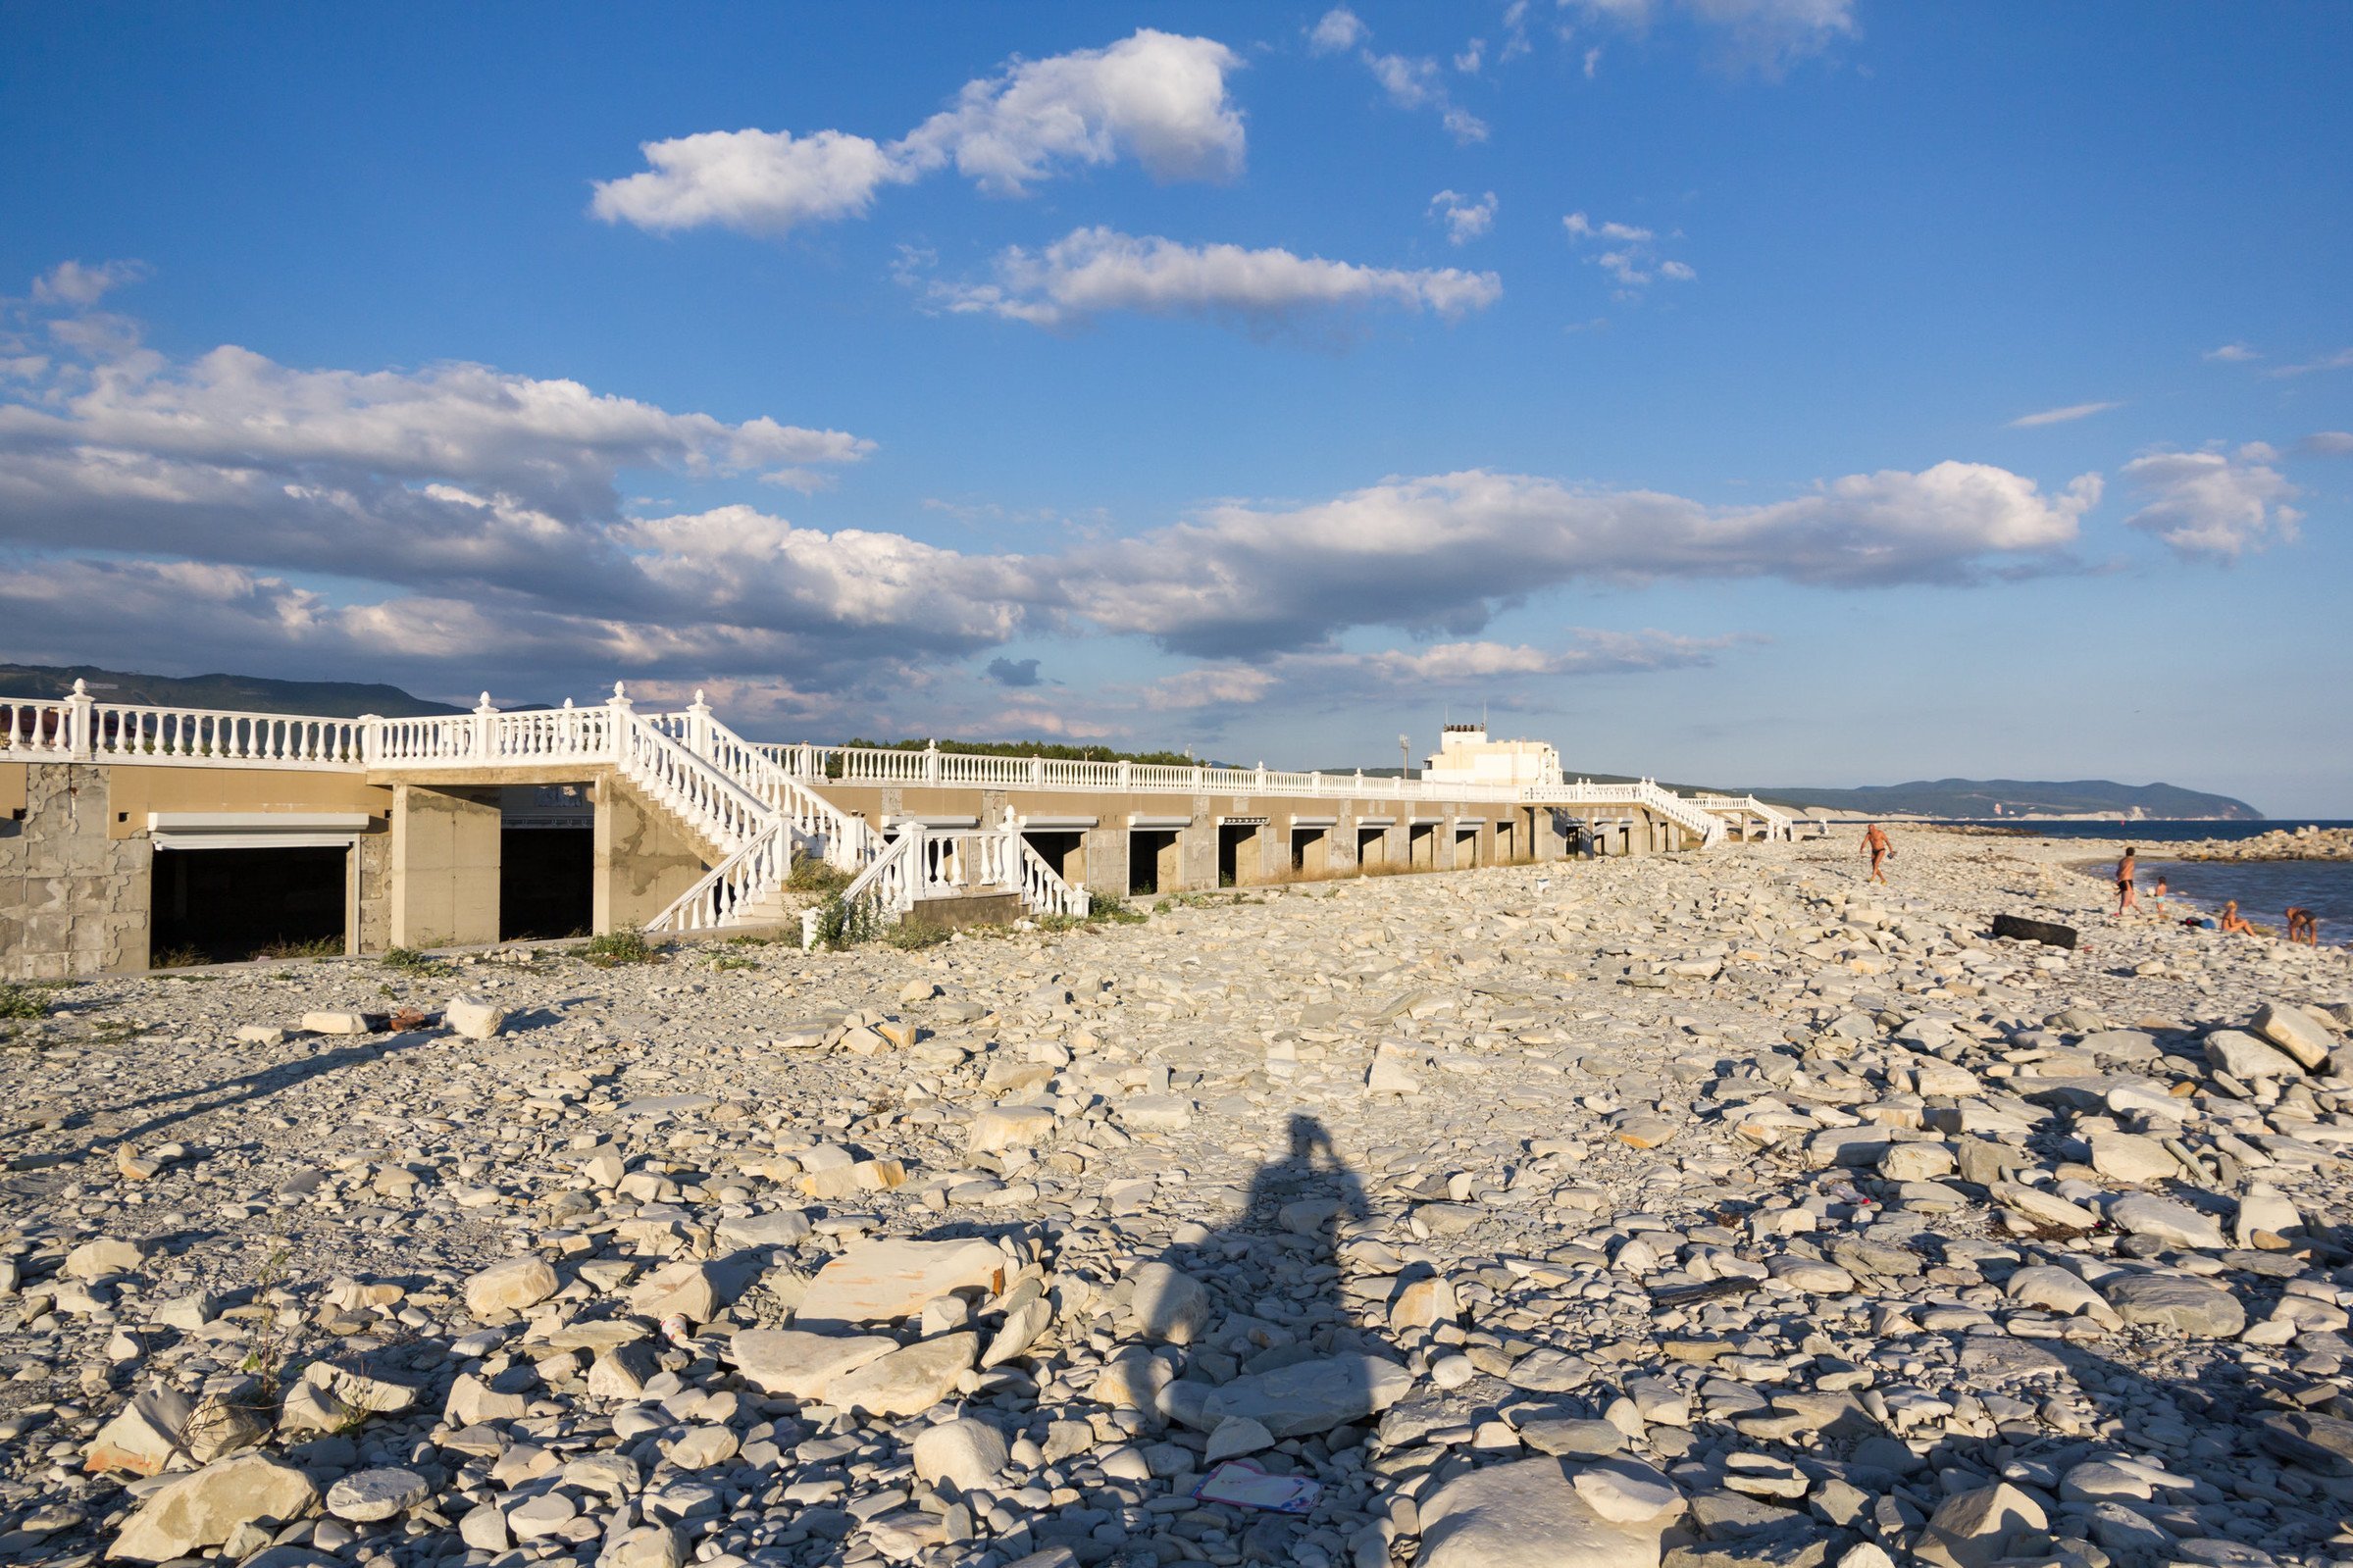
{"x": 2281, "y": 844}
{"x": 1715, "y": 1211}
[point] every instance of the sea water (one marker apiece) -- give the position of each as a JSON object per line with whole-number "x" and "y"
{"x": 2264, "y": 889}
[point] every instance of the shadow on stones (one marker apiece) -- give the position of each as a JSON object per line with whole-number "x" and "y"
{"x": 1278, "y": 1347}
{"x": 206, "y": 1097}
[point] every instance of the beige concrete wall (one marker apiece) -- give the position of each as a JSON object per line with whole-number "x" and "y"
{"x": 12, "y": 793}
{"x": 644, "y": 857}
{"x": 133, "y": 792}
{"x": 444, "y": 867}
{"x": 73, "y": 900}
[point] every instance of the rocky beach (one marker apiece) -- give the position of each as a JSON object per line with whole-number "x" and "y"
{"x": 1708, "y": 1210}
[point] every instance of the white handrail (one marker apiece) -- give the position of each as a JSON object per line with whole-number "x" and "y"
{"x": 721, "y": 894}
{"x": 888, "y": 883}
{"x": 844, "y": 839}
{"x": 721, "y": 809}
{"x": 1042, "y": 890}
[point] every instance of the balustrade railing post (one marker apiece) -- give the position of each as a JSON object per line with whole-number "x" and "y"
{"x": 80, "y": 736}
{"x": 698, "y": 725}
{"x": 483, "y": 715}
{"x": 931, "y": 762}
{"x": 371, "y": 739}
{"x": 1126, "y": 774}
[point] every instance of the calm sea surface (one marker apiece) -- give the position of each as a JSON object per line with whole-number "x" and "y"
{"x": 2264, "y": 889}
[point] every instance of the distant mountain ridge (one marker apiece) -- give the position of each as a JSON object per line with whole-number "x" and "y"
{"x": 1977, "y": 797}
{"x": 332, "y": 699}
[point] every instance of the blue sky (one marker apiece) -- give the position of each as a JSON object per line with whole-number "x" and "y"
{"x": 1764, "y": 392}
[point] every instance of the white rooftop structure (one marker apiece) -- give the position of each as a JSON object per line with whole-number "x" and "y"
{"x": 1466, "y": 756}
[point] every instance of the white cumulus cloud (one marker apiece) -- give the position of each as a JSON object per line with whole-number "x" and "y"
{"x": 1465, "y": 217}
{"x": 2214, "y": 504}
{"x": 1157, "y": 97}
{"x": 1422, "y": 554}
{"x": 75, "y": 282}
{"x": 1092, "y": 272}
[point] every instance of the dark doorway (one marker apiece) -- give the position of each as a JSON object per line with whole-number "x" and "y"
{"x": 1373, "y": 848}
{"x": 1152, "y": 860}
{"x": 1310, "y": 851}
{"x": 1239, "y": 860}
{"x": 547, "y": 882}
{"x": 222, "y": 906}
{"x": 1063, "y": 851}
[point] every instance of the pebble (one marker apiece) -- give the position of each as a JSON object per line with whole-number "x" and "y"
{"x": 1713, "y": 1210}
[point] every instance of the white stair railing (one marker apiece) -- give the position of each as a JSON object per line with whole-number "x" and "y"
{"x": 724, "y": 894}
{"x": 1045, "y": 892}
{"x": 839, "y": 837}
{"x": 723, "y": 811}
{"x": 887, "y": 887}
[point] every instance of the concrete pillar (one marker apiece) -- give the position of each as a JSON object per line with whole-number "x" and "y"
{"x": 445, "y": 870}
{"x": 73, "y": 900}
{"x": 643, "y": 858}
{"x": 1105, "y": 853}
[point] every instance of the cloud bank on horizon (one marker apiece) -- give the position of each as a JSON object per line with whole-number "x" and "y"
{"x": 1178, "y": 225}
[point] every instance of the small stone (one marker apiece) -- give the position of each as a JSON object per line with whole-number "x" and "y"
{"x": 2293, "y": 1030}
{"x": 1526, "y": 1514}
{"x": 509, "y": 1286}
{"x": 1626, "y": 1491}
{"x": 1235, "y": 1436}
{"x": 2147, "y": 1214}
{"x": 475, "y": 1017}
{"x": 906, "y": 1382}
{"x": 368, "y": 1496}
{"x": 795, "y": 1362}
{"x": 336, "y": 1023}
{"x": 966, "y": 1453}
{"x": 1973, "y": 1529}
{"x": 2131, "y": 1157}
{"x": 103, "y": 1259}
{"x": 204, "y": 1507}
{"x": 881, "y": 1281}
{"x": 2178, "y": 1301}
{"x": 1172, "y": 1307}
{"x": 2247, "y": 1058}
{"x": 1310, "y": 1396}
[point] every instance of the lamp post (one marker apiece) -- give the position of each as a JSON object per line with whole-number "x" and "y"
{"x": 1405, "y": 756}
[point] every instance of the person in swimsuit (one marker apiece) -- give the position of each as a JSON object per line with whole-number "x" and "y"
{"x": 2233, "y": 921}
{"x": 2159, "y": 895}
{"x": 2125, "y": 893}
{"x": 2303, "y": 925}
{"x": 1875, "y": 843}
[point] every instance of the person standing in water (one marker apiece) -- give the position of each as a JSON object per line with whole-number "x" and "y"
{"x": 1875, "y": 843}
{"x": 2127, "y": 895}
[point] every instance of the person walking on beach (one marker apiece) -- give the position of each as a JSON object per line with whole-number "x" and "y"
{"x": 1875, "y": 843}
{"x": 2303, "y": 925}
{"x": 2127, "y": 895}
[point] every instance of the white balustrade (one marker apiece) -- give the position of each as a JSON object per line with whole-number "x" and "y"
{"x": 29, "y": 727}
